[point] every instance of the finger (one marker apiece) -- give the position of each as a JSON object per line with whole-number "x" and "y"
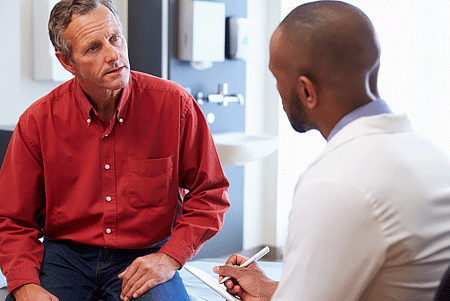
{"x": 126, "y": 294}
{"x": 232, "y": 260}
{"x": 229, "y": 283}
{"x": 127, "y": 289}
{"x": 221, "y": 277}
{"x": 121, "y": 275}
{"x": 233, "y": 287}
{"x": 217, "y": 270}
{"x": 127, "y": 275}
{"x": 141, "y": 287}
{"x": 136, "y": 287}
{"x": 139, "y": 290}
{"x": 227, "y": 270}
{"x": 236, "y": 259}
{"x": 235, "y": 290}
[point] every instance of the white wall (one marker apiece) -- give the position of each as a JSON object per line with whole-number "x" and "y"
{"x": 262, "y": 102}
{"x": 18, "y": 89}
{"x": 414, "y": 72}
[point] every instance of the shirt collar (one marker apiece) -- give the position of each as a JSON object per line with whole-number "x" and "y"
{"x": 122, "y": 107}
{"x": 87, "y": 109}
{"x": 83, "y": 103}
{"x": 375, "y": 107}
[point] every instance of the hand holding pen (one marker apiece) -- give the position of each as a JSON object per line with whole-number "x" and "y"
{"x": 250, "y": 283}
{"x": 252, "y": 259}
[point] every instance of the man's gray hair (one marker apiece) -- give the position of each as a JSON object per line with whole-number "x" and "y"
{"x": 61, "y": 15}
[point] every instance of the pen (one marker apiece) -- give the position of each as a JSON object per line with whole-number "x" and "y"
{"x": 254, "y": 258}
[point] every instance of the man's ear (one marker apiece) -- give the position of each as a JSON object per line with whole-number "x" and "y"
{"x": 66, "y": 62}
{"x": 307, "y": 92}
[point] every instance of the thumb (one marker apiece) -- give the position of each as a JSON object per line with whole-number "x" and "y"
{"x": 227, "y": 270}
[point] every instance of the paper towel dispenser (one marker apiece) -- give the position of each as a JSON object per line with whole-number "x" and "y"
{"x": 237, "y": 38}
{"x": 201, "y": 38}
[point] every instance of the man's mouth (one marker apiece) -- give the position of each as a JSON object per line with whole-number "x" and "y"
{"x": 115, "y": 70}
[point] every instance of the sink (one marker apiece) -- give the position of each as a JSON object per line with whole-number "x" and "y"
{"x": 237, "y": 148}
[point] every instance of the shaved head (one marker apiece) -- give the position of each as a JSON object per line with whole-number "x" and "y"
{"x": 338, "y": 39}
{"x": 325, "y": 57}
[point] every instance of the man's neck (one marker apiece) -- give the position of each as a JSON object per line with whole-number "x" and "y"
{"x": 105, "y": 105}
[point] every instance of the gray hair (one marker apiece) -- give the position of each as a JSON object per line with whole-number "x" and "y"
{"x": 61, "y": 15}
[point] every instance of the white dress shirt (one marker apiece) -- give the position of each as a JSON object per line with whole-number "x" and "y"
{"x": 370, "y": 218}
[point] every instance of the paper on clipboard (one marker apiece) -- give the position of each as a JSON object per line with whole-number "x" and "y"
{"x": 211, "y": 282}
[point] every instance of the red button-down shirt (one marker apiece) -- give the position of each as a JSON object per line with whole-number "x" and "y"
{"x": 69, "y": 175}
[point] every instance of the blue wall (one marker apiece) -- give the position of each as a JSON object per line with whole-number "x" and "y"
{"x": 144, "y": 36}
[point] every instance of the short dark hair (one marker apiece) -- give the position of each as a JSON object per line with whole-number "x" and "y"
{"x": 61, "y": 16}
{"x": 340, "y": 33}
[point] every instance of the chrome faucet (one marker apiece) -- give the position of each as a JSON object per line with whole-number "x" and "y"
{"x": 222, "y": 98}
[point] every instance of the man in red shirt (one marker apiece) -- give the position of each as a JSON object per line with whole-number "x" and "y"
{"x": 99, "y": 167}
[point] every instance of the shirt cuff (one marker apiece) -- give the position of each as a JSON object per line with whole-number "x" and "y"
{"x": 21, "y": 276}
{"x": 179, "y": 250}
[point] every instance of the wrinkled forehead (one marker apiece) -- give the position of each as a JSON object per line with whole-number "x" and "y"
{"x": 85, "y": 26}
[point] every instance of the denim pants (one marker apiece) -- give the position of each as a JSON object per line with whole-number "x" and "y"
{"x": 72, "y": 271}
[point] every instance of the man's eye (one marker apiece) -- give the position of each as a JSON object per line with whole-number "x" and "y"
{"x": 115, "y": 38}
{"x": 93, "y": 48}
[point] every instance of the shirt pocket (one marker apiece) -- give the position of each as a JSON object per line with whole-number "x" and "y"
{"x": 149, "y": 182}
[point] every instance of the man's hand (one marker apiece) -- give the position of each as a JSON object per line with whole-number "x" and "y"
{"x": 145, "y": 273}
{"x": 251, "y": 284}
{"x": 33, "y": 292}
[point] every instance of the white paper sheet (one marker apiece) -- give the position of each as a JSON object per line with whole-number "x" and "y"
{"x": 211, "y": 282}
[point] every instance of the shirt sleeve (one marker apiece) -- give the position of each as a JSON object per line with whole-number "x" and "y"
{"x": 201, "y": 173}
{"x": 335, "y": 245}
{"x": 22, "y": 210}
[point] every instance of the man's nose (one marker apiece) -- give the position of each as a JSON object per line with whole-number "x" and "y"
{"x": 112, "y": 54}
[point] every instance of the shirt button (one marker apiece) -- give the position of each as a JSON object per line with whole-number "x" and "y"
{"x": 107, "y": 166}
{"x": 108, "y": 198}
{"x": 88, "y": 120}
{"x": 106, "y": 135}
{"x": 121, "y": 120}
{"x": 108, "y": 231}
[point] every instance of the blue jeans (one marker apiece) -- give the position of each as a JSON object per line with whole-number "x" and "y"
{"x": 72, "y": 271}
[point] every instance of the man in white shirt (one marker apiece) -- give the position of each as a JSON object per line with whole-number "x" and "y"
{"x": 371, "y": 215}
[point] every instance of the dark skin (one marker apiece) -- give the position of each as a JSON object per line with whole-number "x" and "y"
{"x": 325, "y": 78}
{"x": 258, "y": 287}
{"x": 325, "y": 58}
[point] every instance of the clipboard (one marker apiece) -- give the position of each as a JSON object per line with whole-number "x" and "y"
{"x": 211, "y": 282}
